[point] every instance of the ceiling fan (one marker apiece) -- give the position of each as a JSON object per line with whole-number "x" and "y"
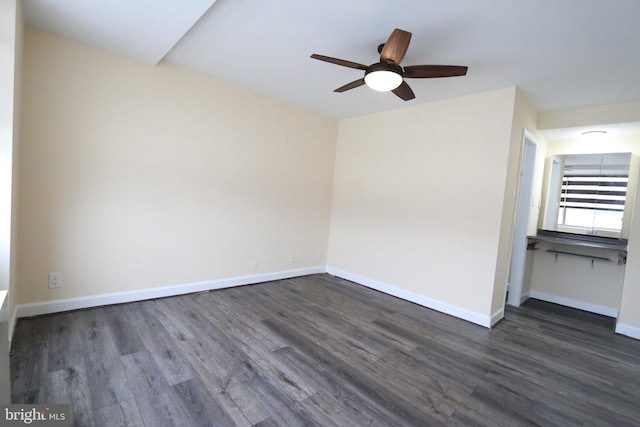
{"x": 388, "y": 75}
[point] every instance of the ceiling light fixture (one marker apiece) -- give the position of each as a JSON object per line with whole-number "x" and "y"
{"x": 383, "y": 77}
{"x": 594, "y": 133}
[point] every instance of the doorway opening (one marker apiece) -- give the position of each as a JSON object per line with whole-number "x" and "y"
{"x": 524, "y": 203}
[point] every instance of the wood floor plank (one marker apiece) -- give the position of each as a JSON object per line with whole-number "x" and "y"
{"x": 259, "y": 348}
{"x": 341, "y": 397}
{"x": 245, "y": 398}
{"x": 202, "y": 405}
{"x": 29, "y": 373}
{"x": 123, "y": 414}
{"x": 30, "y": 331}
{"x": 218, "y": 379}
{"x": 244, "y": 331}
{"x": 367, "y": 385}
{"x": 188, "y": 318}
{"x": 324, "y": 409}
{"x": 157, "y": 402}
{"x": 106, "y": 378}
{"x": 173, "y": 365}
{"x": 319, "y": 350}
{"x": 126, "y": 338}
{"x": 275, "y": 404}
{"x": 69, "y": 386}
{"x": 65, "y": 346}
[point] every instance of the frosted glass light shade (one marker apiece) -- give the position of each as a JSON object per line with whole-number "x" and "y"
{"x": 594, "y": 135}
{"x": 383, "y": 81}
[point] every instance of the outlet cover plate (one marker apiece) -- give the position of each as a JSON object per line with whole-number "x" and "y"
{"x": 55, "y": 280}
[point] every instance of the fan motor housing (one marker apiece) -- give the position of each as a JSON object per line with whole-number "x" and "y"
{"x": 380, "y": 66}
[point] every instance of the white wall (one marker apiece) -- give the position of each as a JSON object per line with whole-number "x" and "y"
{"x": 10, "y": 78}
{"x": 629, "y": 316}
{"x": 10, "y": 58}
{"x": 7, "y": 84}
{"x": 418, "y": 200}
{"x": 136, "y": 177}
{"x": 5, "y": 348}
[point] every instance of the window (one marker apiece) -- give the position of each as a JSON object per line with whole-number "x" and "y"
{"x": 593, "y": 201}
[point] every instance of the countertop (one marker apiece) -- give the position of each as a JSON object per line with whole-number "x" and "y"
{"x": 580, "y": 240}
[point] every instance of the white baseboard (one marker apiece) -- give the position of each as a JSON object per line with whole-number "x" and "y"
{"x": 56, "y": 306}
{"x": 452, "y": 310}
{"x": 630, "y": 331}
{"x": 497, "y": 316}
{"x": 581, "y": 305}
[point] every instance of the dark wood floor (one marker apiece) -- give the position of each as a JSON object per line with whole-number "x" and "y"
{"x": 318, "y": 350}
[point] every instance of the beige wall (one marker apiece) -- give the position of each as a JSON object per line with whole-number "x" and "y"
{"x": 523, "y": 122}
{"x": 136, "y": 177}
{"x": 627, "y": 112}
{"x": 577, "y": 281}
{"x": 418, "y": 198}
{"x": 611, "y": 144}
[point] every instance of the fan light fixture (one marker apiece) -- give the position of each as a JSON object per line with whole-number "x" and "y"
{"x": 383, "y": 77}
{"x": 383, "y": 81}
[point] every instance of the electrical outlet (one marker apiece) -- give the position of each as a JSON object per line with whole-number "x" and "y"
{"x": 255, "y": 264}
{"x": 318, "y": 253}
{"x": 292, "y": 258}
{"x": 55, "y": 280}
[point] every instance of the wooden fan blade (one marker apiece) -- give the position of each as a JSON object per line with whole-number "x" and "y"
{"x": 337, "y": 61}
{"x": 396, "y": 46}
{"x": 404, "y": 91}
{"x": 431, "y": 71}
{"x": 352, "y": 85}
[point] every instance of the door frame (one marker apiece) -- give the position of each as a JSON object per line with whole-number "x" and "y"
{"x": 524, "y": 203}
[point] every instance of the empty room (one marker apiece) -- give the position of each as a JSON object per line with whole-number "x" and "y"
{"x": 236, "y": 213}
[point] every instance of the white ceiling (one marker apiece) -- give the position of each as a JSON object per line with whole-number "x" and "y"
{"x": 562, "y": 53}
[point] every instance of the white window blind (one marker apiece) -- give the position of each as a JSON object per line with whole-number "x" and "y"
{"x": 593, "y": 200}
